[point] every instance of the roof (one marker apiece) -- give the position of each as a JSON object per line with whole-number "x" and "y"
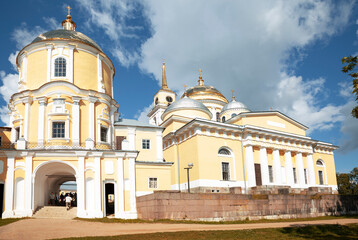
{"x": 61, "y": 34}
{"x": 134, "y": 123}
{"x": 203, "y": 90}
{"x": 186, "y": 103}
{"x": 233, "y": 105}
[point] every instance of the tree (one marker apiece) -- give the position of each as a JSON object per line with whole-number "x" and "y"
{"x": 348, "y": 182}
{"x": 352, "y": 69}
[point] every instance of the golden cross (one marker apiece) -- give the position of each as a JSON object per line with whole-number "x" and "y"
{"x": 69, "y": 10}
{"x": 233, "y": 92}
{"x": 200, "y": 72}
{"x": 185, "y": 86}
{"x": 163, "y": 60}
{"x": 270, "y": 108}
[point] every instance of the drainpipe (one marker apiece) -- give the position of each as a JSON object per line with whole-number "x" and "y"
{"x": 243, "y": 160}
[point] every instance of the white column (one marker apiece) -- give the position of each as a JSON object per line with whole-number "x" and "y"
{"x": 97, "y": 187}
{"x": 13, "y": 131}
{"x": 28, "y": 184}
{"x": 311, "y": 173}
{"x": 27, "y": 101}
{"x": 250, "y": 166}
{"x": 41, "y": 121}
{"x": 264, "y": 166}
{"x": 120, "y": 184}
{"x": 133, "y": 200}
{"x": 289, "y": 168}
{"x": 70, "y": 64}
{"x": 91, "y": 126}
{"x": 76, "y": 121}
{"x": 99, "y": 76}
{"x": 80, "y": 181}
{"x": 300, "y": 172}
{"x": 159, "y": 146}
{"x": 9, "y": 189}
{"x": 131, "y": 138}
{"x": 49, "y": 58}
{"x": 277, "y": 166}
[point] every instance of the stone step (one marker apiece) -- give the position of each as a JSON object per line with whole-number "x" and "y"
{"x": 55, "y": 212}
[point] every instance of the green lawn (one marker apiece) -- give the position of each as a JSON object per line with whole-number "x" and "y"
{"x": 321, "y": 232}
{"x": 6, "y": 221}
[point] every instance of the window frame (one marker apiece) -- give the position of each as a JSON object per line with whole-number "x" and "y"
{"x": 305, "y": 175}
{"x": 156, "y": 182}
{"x": 100, "y": 131}
{"x": 228, "y": 171}
{"x": 320, "y": 177}
{"x": 52, "y": 129}
{"x": 270, "y": 170}
{"x": 146, "y": 145}
{"x": 294, "y": 172}
{"x": 17, "y": 133}
{"x": 53, "y": 72}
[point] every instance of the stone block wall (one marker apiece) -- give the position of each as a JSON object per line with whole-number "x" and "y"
{"x": 232, "y": 206}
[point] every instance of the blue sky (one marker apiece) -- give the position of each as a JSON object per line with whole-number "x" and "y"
{"x": 280, "y": 54}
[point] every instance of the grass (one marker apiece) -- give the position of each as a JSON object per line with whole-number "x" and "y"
{"x": 115, "y": 220}
{"x": 319, "y": 232}
{"x": 6, "y": 221}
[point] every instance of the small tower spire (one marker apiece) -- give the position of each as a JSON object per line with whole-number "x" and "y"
{"x": 200, "y": 81}
{"x": 164, "y": 77}
{"x": 233, "y": 95}
{"x": 185, "y": 94}
{"x": 68, "y": 24}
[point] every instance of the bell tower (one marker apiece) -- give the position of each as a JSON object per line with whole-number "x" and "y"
{"x": 162, "y": 99}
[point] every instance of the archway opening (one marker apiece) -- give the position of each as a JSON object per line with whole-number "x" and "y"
{"x": 48, "y": 181}
{"x": 109, "y": 198}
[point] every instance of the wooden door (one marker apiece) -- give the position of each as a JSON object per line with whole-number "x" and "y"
{"x": 258, "y": 174}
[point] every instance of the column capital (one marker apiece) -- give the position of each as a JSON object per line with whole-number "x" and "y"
{"x": 27, "y": 99}
{"x": 92, "y": 99}
{"x": 81, "y": 153}
{"x": 71, "y": 46}
{"x": 42, "y": 100}
{"x": 49, "y": 46}
{"x": 76, "y": 100}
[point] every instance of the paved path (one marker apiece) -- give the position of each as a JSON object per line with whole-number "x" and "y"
{"x": 62, "y": 228}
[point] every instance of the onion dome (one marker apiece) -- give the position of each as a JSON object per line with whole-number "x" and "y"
{"x": 205, "y": 92}
{"x": 67, "y": 33}
{"x": 186, "y": 103}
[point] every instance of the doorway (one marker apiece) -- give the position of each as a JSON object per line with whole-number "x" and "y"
{"x": 1, "y": 199}
{"x": 258, "y": 174}
{"x": 109, "y": 198}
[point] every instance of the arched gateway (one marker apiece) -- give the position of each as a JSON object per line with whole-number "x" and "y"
{"x": 48, "y": 177}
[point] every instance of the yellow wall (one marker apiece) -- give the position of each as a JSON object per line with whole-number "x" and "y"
{"x": 106, "y": 73}
{"x": 144, "y": 172}
{"x": 85, "y": 70}
{"x": 146, "y": 154}
{"x": 262, "y": 121}
{"x": 328, "y": 160}
{"x": 36, "y": 69}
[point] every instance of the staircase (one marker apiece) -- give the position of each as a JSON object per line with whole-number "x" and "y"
{"x": 55, "y": 212}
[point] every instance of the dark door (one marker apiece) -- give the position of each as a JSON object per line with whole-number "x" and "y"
{"x": 1, "y": 199}
{"x": 119, "y": 140}
{"x": 109, "y": 198}
{"x": 258, "y": 174}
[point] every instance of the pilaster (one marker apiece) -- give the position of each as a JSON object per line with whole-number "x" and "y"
{"x": 311, "y": 173}
{"x": 277, "y": 166}
{"x": 9, "y": 189}
{"x": 264, "y": 166}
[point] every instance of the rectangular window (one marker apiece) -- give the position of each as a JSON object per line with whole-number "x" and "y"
{"x": 225, "y": 171}
{"x": 305, "y": 173}
{"x": 145, "y": 144}
{"x": 104, "y": 132}
{"x": 58, "y": 130}
{"x": 270, "y": 174}
{"x": 320, "y": 176}
{"x": 294, "y": 176}
{"x": 153, "y": 182}
{"x": 17, "y": 136}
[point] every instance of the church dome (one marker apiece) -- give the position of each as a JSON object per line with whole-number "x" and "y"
{"x": 63, "y": 34}
{"x": 186, "y": 103}
{"x": 204, "y": 93}
{"x": 233, "y": 105}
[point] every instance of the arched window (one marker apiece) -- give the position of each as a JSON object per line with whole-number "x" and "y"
{"x": 224, "y": 151}
{"x": 233, "y": 115}
{"x": 60, "y": 67}
{"x": 319, "y": 163}
{"x": 223, "y": 119}
{"x": 218, "y": 117}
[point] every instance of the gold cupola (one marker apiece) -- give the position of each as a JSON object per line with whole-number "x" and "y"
{"x": 68, "y": 24}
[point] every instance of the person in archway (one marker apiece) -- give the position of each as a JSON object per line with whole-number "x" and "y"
{"x": 68, "y": 201}
{"x": 52, "y": 198}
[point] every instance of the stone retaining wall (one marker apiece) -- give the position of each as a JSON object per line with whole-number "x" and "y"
{"x": 231, "y": 206}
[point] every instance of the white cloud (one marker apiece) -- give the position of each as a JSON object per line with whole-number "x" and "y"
{"x": 4, "y": 115}
{"x": 23, "y": 35}
{"x": 9, "y": 86}
{"x": 142, "y": 113}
